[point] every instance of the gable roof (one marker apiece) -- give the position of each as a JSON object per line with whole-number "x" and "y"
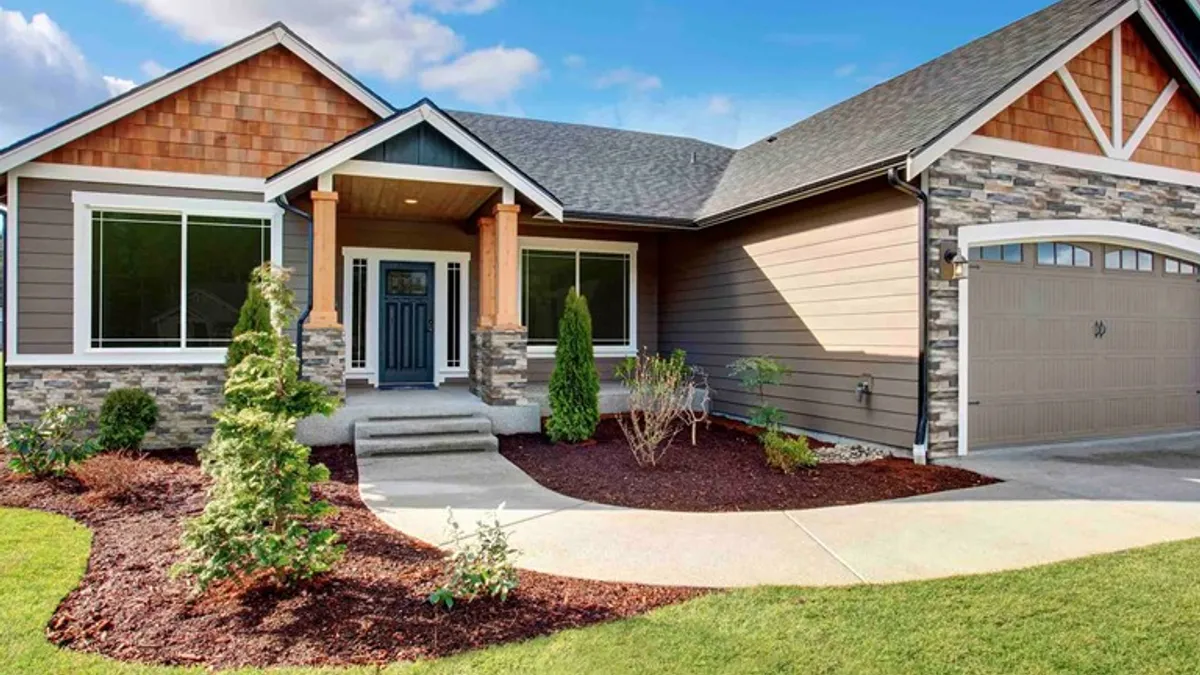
{"x": 34, "y": 146}
{"x": 889, "y": 121}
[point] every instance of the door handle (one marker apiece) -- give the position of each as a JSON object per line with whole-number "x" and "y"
{"x": 1099, "y": 329}
{"x": 430, "y": 325}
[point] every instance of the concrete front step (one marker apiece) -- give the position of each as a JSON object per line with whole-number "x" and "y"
{"x": 418, "y": 426}
{"x": 424, "y": 444}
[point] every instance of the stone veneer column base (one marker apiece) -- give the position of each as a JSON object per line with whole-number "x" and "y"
{"x": 187, "y": 396}
{"x": 499, "y": 365}
{"x": 325, "y": 359}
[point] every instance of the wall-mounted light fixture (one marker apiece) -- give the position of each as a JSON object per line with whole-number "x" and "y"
{"x": 953, "y": 263}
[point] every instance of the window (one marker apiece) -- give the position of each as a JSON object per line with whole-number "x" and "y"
{"x": 604, "y": 274}
{"x": 1003, "y": 253}
{"x": 1173, "y": 266}
{"x": 1063, "y": 255}
{"x": 358, "y": 313}
{"x": 454, "y": 315}
{"x": 1128, "y": 259}
{"x": 167, "y": 278}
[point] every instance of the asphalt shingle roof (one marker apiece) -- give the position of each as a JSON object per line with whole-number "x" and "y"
{"x": 601, "y": 171}
{"x": 606, "y": 172}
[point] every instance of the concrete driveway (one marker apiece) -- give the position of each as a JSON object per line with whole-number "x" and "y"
{"x": 1056, "y": 504}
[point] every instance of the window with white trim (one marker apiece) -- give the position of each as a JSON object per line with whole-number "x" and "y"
{"x": 604, "y": 275}
{"x": 170, "y": 279}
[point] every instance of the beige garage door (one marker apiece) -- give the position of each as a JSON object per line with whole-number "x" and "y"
{"x": 1067, "y": 347}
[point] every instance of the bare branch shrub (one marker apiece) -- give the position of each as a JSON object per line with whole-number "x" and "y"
{"x": 121, "y": 477}
{"x": 696, "y": 412}
{"x": 660, "y": 391}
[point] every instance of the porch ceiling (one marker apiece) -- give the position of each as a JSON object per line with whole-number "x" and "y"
{"x": 386, "y": 198}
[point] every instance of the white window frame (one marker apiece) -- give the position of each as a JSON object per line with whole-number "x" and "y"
{"x": 441, "y": 269}
{"x": 88, "y": 202}
{"x": 578, "y": 246}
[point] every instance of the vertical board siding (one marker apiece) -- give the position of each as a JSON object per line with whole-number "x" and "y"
{"x": 540, "y": 369}
{"x": 45, "y": 256}
{"x": 251, "y": 119}
{"x": 828, "y": 286}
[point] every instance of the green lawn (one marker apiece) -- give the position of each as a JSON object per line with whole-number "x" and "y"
{"x": 1136, "y": 612}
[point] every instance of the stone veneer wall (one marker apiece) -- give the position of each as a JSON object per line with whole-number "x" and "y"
{"x": 325, "y": 358}
{"x": 968, "y": 189}
{"x": 187, "y": 396}
{"x": 499, "y": 366}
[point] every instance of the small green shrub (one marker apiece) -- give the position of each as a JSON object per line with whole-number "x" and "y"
{"x": 756, "y": 373}
{"x": 125, "y": 417}
{"x": 52, "y": 445}
{"x": 254, "y": 317}
{"x": 575, "y": 384}
{"x": 786, "y": 453}
{"x": 481, "y": 565}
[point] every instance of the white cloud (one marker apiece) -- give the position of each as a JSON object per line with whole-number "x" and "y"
{"x": 720, "y": 105}
{"x": 628, "y": 77}
{"x": 574, "y": 61}
{"x": 153, "y": 69}
{"x": 390, "y": 38}
{"x": 728, "y": 122}
{"x": 484, "y": 76}
{"x": 46, "y": 77}
{"x": 845, "y": 70}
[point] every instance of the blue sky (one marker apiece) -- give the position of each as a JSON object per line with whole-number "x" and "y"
{"x": 729, "y": 72}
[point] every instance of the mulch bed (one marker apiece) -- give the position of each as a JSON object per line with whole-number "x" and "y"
{"x": 371, "y": 609}
{"x": 725, "y": 471}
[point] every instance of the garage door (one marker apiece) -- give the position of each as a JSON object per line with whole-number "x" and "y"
{"x": 1080, "y": 340}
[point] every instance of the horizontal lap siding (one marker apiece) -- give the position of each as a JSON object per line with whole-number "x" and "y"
{"x": 540, "y": 369}
{"x": 829, "y": 286}
{"x": 45, "y": 255}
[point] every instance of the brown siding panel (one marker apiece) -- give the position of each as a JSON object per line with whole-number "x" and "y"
{"x": 829, "y": 286}
{"x": 45, "y": 255}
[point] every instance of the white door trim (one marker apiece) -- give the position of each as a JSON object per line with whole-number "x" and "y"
{"x": 1031, "y": 231}
{"x": 441, "y": 262}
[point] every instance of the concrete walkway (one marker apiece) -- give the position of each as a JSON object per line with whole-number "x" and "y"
{"x": 1010, "y": 525}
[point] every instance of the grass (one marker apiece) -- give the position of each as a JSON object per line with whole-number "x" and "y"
{"x": 1133, "y": 612}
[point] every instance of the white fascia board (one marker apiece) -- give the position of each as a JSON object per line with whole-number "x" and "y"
{"x": 1166, "y": 38}
{"x": 488, "y": 158}
{"x": 415, "y": 172}
{"x": 99, "y": 174}
{"x": 198, "y": 207}
{"x": 1025, "y": 152}
{"x": 305, "y": 171}
{"x": 922, "y": 160}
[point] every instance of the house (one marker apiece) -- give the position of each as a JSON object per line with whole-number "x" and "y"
{"x": 1001, "y": 246}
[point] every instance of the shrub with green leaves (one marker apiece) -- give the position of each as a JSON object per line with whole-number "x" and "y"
{"x": 125, "y": 417}
{"x": 756, "y": 373}
{"x": 481, "y": 565}
{"x": 787, "y": 453}
{"x": 254, "y": 317}
{"x": 260, "y": 517}
{"x": 52, "y": 445}
{"x": 575, "y": 384}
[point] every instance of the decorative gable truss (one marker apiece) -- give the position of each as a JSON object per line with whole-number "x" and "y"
{"x": 1115, "y": 99}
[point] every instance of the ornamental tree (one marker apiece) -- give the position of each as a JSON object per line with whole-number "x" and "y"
{"x": 575, "y": 384}
{"x": 260, "y": 517}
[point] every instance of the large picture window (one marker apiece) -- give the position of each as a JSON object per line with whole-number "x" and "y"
{"x": 602, "y": 272}
{"x": 163, "y": 279}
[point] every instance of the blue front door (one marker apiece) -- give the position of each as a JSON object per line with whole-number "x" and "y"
{"x": 406, "y": 323}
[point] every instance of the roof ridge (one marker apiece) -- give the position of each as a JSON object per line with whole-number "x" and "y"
{"x": 599, "y": 127}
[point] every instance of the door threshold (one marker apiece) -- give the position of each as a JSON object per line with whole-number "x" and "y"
{"x": 407, "y": 387}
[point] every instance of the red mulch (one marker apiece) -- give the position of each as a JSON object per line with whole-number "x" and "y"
{"x": 371, "y": 609}
{"x": 725, "y": 471}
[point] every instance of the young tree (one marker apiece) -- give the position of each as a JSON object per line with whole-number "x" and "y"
{"x": 255, "y": 317}
{"x": 260, "y": 516}
{"x": 574, "y": 385}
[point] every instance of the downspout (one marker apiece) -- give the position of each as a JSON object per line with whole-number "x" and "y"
{"x": 282, "y": 202}
{"x": 921, "y": 439}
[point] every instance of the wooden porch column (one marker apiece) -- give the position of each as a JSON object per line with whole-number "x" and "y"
{"x": 487, "y": 272}
{"x": 508, "y": 315}
{"x": 324, "y": 309}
